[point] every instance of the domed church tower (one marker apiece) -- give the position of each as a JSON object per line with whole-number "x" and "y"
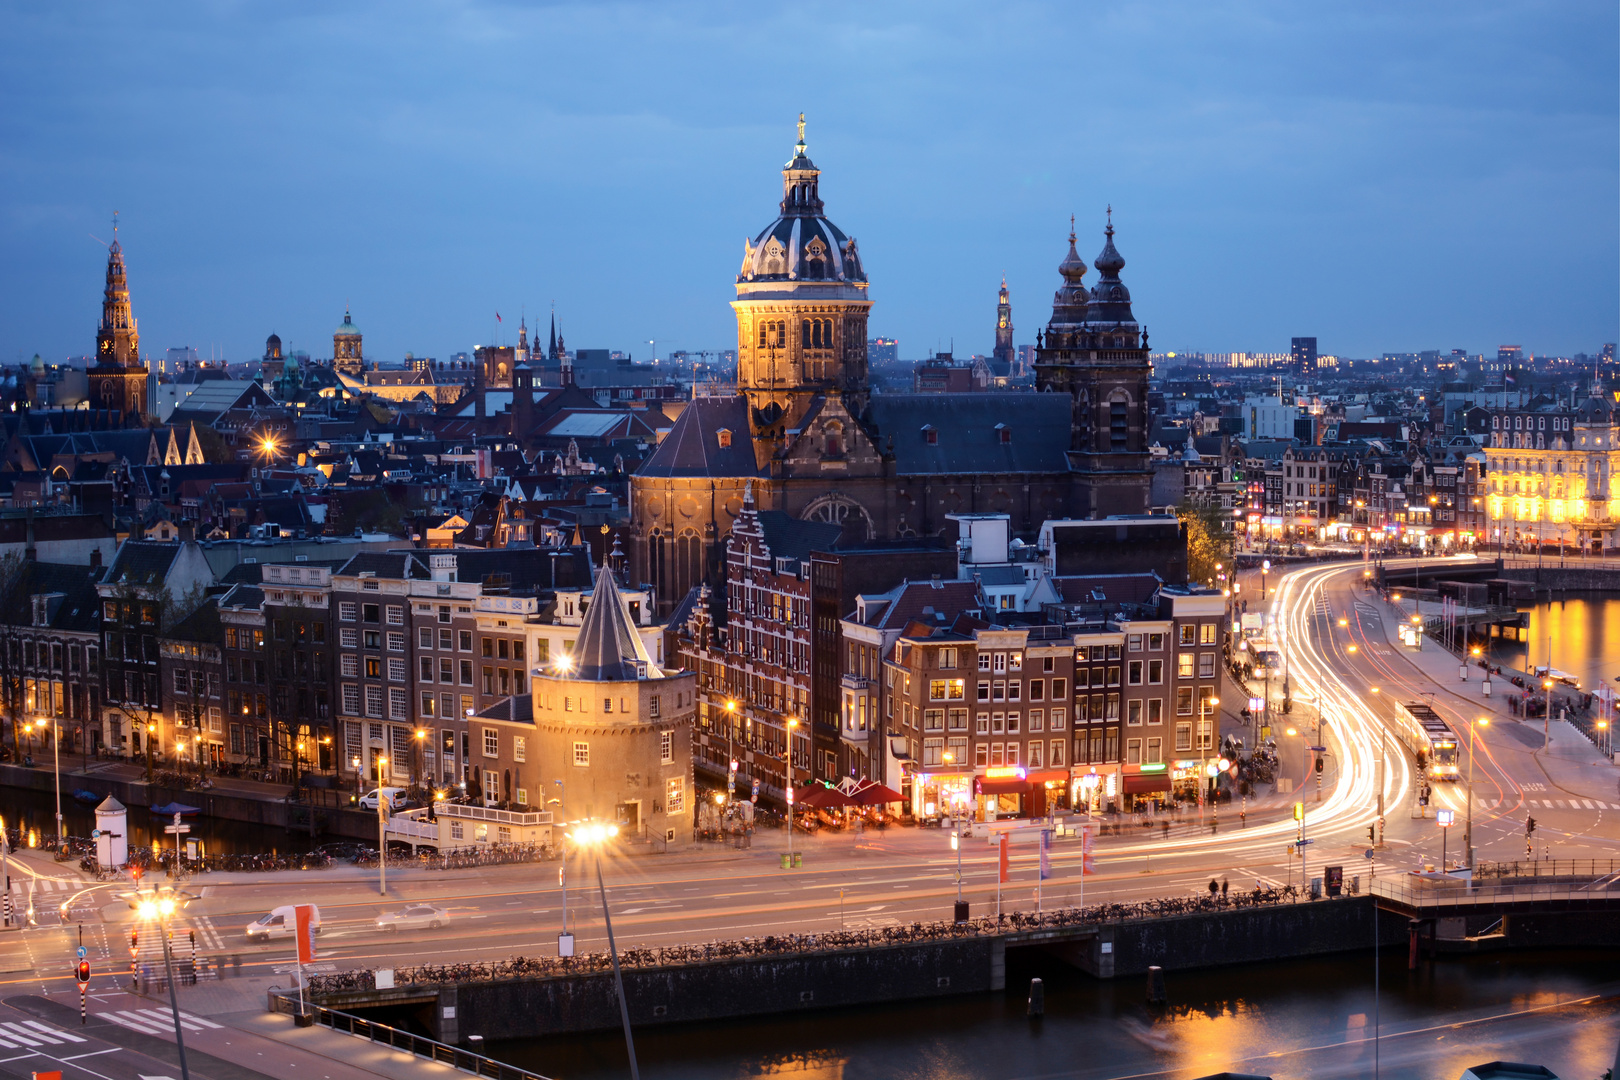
{"x": 346, "y": 355}
{"x": 801, "y": 311}
{"x": 117, "y": 380}
{"x": 1094, "y": 350}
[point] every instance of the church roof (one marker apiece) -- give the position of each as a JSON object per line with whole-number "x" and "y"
{"x": 801, "y": 244}
{"x": 968, "y": 430}
{"x": 693, "y": 446}
{"x": 608, "y": 648}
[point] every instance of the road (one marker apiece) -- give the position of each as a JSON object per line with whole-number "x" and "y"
{"x": 905, "y": 875}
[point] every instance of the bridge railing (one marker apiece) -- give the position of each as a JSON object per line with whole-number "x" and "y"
{"x": 362, "y": 980}
{"x": 1548, "y": 868}
{"x": 416, "y": 1045}
{"x": 1426, "y": 893}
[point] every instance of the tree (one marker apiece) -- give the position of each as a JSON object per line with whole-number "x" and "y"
{"x": 1208, "y": 542}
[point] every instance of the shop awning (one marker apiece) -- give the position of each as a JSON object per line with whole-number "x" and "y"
{"x": 1009, "y": 786}
{"x": 1056, "y": 776}
{"x": 1146, "y": 783}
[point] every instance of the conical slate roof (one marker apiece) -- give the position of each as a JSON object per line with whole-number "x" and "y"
{"x": 608, "y": 648}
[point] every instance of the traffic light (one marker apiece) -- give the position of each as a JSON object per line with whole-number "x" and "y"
{"x": 1372, "y": 835}
{"x": 1318, "y": 766}
{"x": 1529, "y": 825}
{"x": 83, "y": 972}
{"x": 1299, "y": 811}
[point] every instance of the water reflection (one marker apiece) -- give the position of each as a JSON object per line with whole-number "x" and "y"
{"x": 1573, "y": 631}
{"x": 1311, "y": 1019}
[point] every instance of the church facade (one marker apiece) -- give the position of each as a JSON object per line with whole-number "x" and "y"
{"x": 804, "y": 429}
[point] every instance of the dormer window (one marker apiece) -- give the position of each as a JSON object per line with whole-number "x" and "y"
{"x": 930, "y": 434}
{"x": 1003, "y": 434}
{"x": 724, "y": 438}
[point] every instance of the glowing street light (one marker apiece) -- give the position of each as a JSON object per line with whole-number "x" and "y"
{"x": 594, "y": 835}
{"x": 159, "y": 908}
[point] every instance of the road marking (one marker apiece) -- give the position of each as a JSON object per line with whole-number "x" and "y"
{"x": 31, "y": 1033}
{"x": 158, "y": 1021}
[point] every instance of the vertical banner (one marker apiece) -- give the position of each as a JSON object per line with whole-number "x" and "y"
{"x": 1003, "y": 860}
{"x": 1046, "y": 854}
{"x": 1088, "y": 865}
{"x": 306, "y": 933}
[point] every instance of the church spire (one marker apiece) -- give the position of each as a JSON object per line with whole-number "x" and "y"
{"x": 117, "y": 341}
{"x": 801, "y": 183}
{"x": 551, "y": 353}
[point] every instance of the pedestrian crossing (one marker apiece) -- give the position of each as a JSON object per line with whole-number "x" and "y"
{"x": 31, "y": 1035}
{"x": 1551, "y": 804}
{"x": 157, "y": 1021}
{"x": 40, "y": 886}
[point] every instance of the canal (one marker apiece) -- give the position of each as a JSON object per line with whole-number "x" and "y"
{"x": 1303, "y": 1019}
{"x": 35, "y": 811}
{"x": 1574, "y": 631}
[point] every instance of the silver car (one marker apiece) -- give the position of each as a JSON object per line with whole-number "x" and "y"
{"x": 415, "y": 915}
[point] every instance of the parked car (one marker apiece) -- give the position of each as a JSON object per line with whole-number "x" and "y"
{"x": 395, "y": 795}
{"x": 415, "y": 915}
{"x": 281, "y": 922}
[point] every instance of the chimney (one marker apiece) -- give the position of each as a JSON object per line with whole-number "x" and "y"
{"x": 95, "y": 558}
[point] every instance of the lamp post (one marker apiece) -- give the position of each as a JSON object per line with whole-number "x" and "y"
{"x": 1468, "y": 829}
{"x": 355, "y": 763}
{"x": 1546, "y": 710}
{"x": 594, "y": 835}
{"x": 416, "y": 765}
{"x": 1206, "y": 708}
{"x": 1265, "y": 568}
{"x": 159, "y": 909}
{"x": 382, "y": 829}
{"x": 1383, "y": 765}
{"x": 151, "y": 733}
{"x": 56, "y": 757}
{"x": 787, "y": 773}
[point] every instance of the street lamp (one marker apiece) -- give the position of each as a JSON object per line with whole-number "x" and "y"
{"x": 416, "y": 766}
{"x": 160, "y": 908}
{"x": 151, "y": 733}
{"x": 355, "y": 763}
{"x": 593, "y": 835}
{"x": 1468, "y": 839}
{"x": 56, "y": 757}
{"x": 382, "y": 829}
{"x": 1383, "y": 765}
{"x": 1206, "y": 708}
{"x": 787, "y": 766}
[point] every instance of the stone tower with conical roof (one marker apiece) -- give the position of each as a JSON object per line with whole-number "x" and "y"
{"x": 616, "y": 728}
{"x": 117, "y": 381}
{"x": 1094, "y": 350}
{"x": 347, "y": 358}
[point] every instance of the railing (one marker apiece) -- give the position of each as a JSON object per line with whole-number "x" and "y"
{"x": 1425, "y": 893}
{"x": 486, "y": 813}
{"x": 1549, "y": 868}
{"x": 456, "y": 1058}
{"x": 362, "y": 980}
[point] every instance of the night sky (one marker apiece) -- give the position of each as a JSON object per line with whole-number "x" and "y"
{"x": 1384, "y": 176}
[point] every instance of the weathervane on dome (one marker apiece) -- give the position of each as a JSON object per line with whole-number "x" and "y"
{"x": 801, "y": 133}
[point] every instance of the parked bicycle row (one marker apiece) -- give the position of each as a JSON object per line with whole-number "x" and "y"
{"x": 775, "y": 945}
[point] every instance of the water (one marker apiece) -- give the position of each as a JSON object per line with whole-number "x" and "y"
{"x": 1303, "y": 1019}
{"x": 36, "y": 810}
{"x": 1578, "y": 627}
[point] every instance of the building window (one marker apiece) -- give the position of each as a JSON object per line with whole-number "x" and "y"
{"x": 351, "y": 699}
{"x": 933, "y": 719}
{"x": 981, "y": 755}
{"x": 1133, "y": 670}
{"x": 374, "y": 701}
{"x": 520, "y": 750}
{"x": 1037, "y": 720}
{"x": 348, "y": 637}
{"x": 1206, "y": 665}
{"x": 1183, "y": 737}
{"x": 582, "y": 754}
{"x": 398, "y": 704}
{"x": 396, "y": 641}
{"x": 396, "y": 669}
{"x": 424, "y": 638}
{"x": 1155, "y": 710}
{"x": 1206, "y": 634}
{"x": 675, "y": 795}
{"x": 959, "y": 720}
{"x": 396, "y": 615}
{"x": 666, "y": 747}
{"x": 1155, "y": 751}
{"x": 346, "y": 611}
{"x": 1133, "y": 751}
{"x": 1155, "y": 672}
{"x": 1189, "y": 632}
{"x": 427, "y": 703}
{"x": 457, "y": 831}
{"x": 1184, "y": 665}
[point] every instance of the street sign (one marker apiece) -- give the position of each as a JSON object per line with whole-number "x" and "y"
{"x": 82, "y": 953}
{"x": 95, "y": 834}
{"x": 1446, "y": 818}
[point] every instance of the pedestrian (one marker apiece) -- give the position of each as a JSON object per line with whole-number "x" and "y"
{"x": 1223, "y": 888}
{"x": 1213, "y": 888}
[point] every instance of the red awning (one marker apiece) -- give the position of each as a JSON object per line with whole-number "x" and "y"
{"x": 876, "y": 795}
{"x": 1146, "y": 783}
{"x": 1056, "y": 776}
{"x": 821, "y": 798}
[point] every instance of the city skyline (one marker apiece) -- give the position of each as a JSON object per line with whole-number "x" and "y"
{"x": 267, "y": 198}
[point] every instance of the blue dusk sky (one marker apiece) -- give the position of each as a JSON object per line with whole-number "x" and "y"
{"x": 1384, "y": 176}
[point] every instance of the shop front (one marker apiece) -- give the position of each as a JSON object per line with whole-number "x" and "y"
{"x": 942, "y": 794}
{"x": 1147, "y": 785}
{"x": 1094, "y": 787}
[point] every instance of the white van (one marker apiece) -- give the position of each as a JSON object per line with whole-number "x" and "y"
{"x": 281, "y": 922}
{"x": 395, "y": 796}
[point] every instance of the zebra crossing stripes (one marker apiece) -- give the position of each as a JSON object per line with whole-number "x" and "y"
{"x": 1557, "y": 804}
{"x": 157, "y": 1021}
{"x": 31, "y": 1034}
{"x": 42, "y": 885}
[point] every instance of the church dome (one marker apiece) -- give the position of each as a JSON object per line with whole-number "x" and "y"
{"x": 348, "y": 328}
{"x": 801, "y": 244}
